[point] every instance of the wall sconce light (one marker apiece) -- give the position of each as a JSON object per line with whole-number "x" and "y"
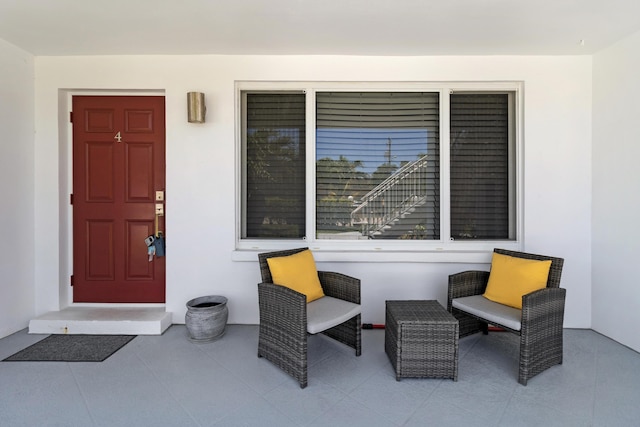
{"x": 196, "y": 109}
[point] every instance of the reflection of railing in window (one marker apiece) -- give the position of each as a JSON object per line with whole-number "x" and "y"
{"x": 392, "y": 199}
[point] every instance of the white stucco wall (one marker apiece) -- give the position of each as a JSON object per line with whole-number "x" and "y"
{"x": 17, "y": 287}
{"x": 616, "y": 192}
{"x": 201, "y": 169}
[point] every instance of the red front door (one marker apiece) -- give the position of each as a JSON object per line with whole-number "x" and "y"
{"x": 118, "y": 168}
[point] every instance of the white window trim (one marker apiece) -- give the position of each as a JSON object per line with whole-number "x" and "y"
{"x": 442, "y": 250}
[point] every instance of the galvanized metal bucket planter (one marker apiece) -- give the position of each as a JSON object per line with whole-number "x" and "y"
{"x": 206, "y": 318}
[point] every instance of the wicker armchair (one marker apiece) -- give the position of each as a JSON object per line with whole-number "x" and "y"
{"x": 283, "y": 318}
{"x": 539, "y": 323}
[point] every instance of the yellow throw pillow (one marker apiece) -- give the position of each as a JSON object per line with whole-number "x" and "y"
{"x": 513, "y": 277}
{"x": 297, "y": 272}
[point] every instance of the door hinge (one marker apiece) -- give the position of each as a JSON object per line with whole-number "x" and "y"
{"x": 70, "y": 116}
{"x": 71, "y": 280}
{"x": 71, "y": 198}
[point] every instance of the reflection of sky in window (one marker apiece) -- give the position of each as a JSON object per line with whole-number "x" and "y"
{"x": 371, "y": 145}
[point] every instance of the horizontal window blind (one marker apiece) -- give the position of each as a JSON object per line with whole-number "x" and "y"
{"x": 275, "y": 165}
{"x": 480, "y": 166}
{"x": 377, "y": 165}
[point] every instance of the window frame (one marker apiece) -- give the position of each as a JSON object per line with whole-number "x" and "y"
{"x": 393, "y": 250}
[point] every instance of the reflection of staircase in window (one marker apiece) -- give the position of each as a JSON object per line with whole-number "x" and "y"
{"x": 394, "y": 199}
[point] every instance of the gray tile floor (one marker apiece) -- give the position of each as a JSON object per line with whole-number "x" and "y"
{"x": 169, "y": 381}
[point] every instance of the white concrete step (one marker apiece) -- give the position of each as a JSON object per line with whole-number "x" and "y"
{"x": 103, "y": 321}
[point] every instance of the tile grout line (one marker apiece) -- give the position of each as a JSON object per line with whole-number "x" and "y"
{"x": 153, "y": 373}
{"x": 596, "y": 373}
{"x": 242, "y": 381}
{"x": 84, "y": 398}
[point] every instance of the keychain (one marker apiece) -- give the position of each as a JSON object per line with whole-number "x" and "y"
{"x": 155, "y": 242}
{"x": 151, "y": 248}
{"x": 152, "y": 251}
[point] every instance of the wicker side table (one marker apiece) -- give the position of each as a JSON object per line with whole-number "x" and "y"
{"x": 421, "y": 339}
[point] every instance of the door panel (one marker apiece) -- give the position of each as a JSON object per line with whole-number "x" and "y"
{"x": 98, "y": 120}
{"x": 99, "y": 170}
{"x": 139, "y": 121}
{"x": 139, "y": 172}
{"x": 100, "y": 257}
{"x": 118, "y": 165}
{"x": 138, "y": 267}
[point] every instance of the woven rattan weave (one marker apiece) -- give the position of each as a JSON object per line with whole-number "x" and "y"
{"x": 542, "y": 320}
{"x": 283, "y": 318}
{"x": 421, "y": 339}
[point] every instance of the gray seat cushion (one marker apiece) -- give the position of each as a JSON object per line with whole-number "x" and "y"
{"x": 493, "y": 312}
{"x": 327, "y": 312}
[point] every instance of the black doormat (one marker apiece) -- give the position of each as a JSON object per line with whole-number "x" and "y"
{"x": 72, "y": 348}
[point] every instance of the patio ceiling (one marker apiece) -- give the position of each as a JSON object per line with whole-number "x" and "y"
{"x": 313, "y": 27}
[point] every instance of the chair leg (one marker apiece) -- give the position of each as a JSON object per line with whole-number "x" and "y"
{"x": 285, "y": 353}
{"x": 485, "y": 328}
{"x": 348, "y": 333}
{"x": 538, "y": 354}
{"x": 358, "y": 331}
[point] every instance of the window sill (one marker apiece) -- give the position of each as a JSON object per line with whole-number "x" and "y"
{"x": 468, "y": 255}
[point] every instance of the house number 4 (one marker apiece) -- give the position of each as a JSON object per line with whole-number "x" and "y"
{"x": 118, "y": 137}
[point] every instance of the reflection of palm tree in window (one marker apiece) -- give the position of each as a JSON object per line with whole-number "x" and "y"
{"x": 455, "y": 140}
{"x": 275, "y": 175}
{"x": 339, "y": 177}
{"x": 268, "y": 148}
